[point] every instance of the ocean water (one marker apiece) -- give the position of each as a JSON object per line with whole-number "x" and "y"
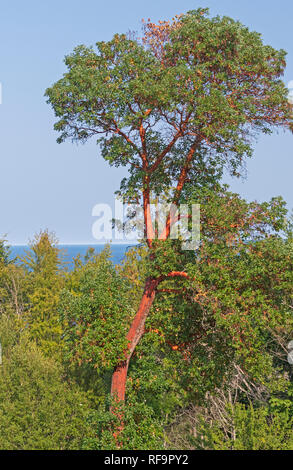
{"x": 71, "y": 251}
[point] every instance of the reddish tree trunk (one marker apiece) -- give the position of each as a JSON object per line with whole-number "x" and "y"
{"x": 134, "y": 334}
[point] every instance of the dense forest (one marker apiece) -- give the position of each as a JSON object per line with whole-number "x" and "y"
{"x": 172, "y": 348}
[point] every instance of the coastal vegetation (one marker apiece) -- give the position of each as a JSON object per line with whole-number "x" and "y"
{"x": 173, "y": 348}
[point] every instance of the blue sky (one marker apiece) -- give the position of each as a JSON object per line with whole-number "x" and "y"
{"x": 46, "y": 185}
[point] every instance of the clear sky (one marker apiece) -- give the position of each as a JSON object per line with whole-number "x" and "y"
{"x": 46, "y": 185}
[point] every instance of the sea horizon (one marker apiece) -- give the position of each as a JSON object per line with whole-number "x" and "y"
{"x": 118, "y": 251}
{"x": 82, "y": 244}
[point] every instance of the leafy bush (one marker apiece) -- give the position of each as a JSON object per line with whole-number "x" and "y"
{"x": 39, "y": 409}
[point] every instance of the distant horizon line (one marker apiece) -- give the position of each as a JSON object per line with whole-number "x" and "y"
{"x": 83, "y": 244}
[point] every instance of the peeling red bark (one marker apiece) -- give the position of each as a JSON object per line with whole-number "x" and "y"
{"x": 134, "y": 334}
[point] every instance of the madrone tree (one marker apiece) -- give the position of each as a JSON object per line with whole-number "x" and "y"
{"x": 175, "y": 107}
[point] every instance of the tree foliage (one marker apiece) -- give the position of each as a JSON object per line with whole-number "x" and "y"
{"x": 95, "y": 314}
{"x": 39, "y": 410}
{"x": 200, "y": 84}
{"x": 43, "y": 284}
